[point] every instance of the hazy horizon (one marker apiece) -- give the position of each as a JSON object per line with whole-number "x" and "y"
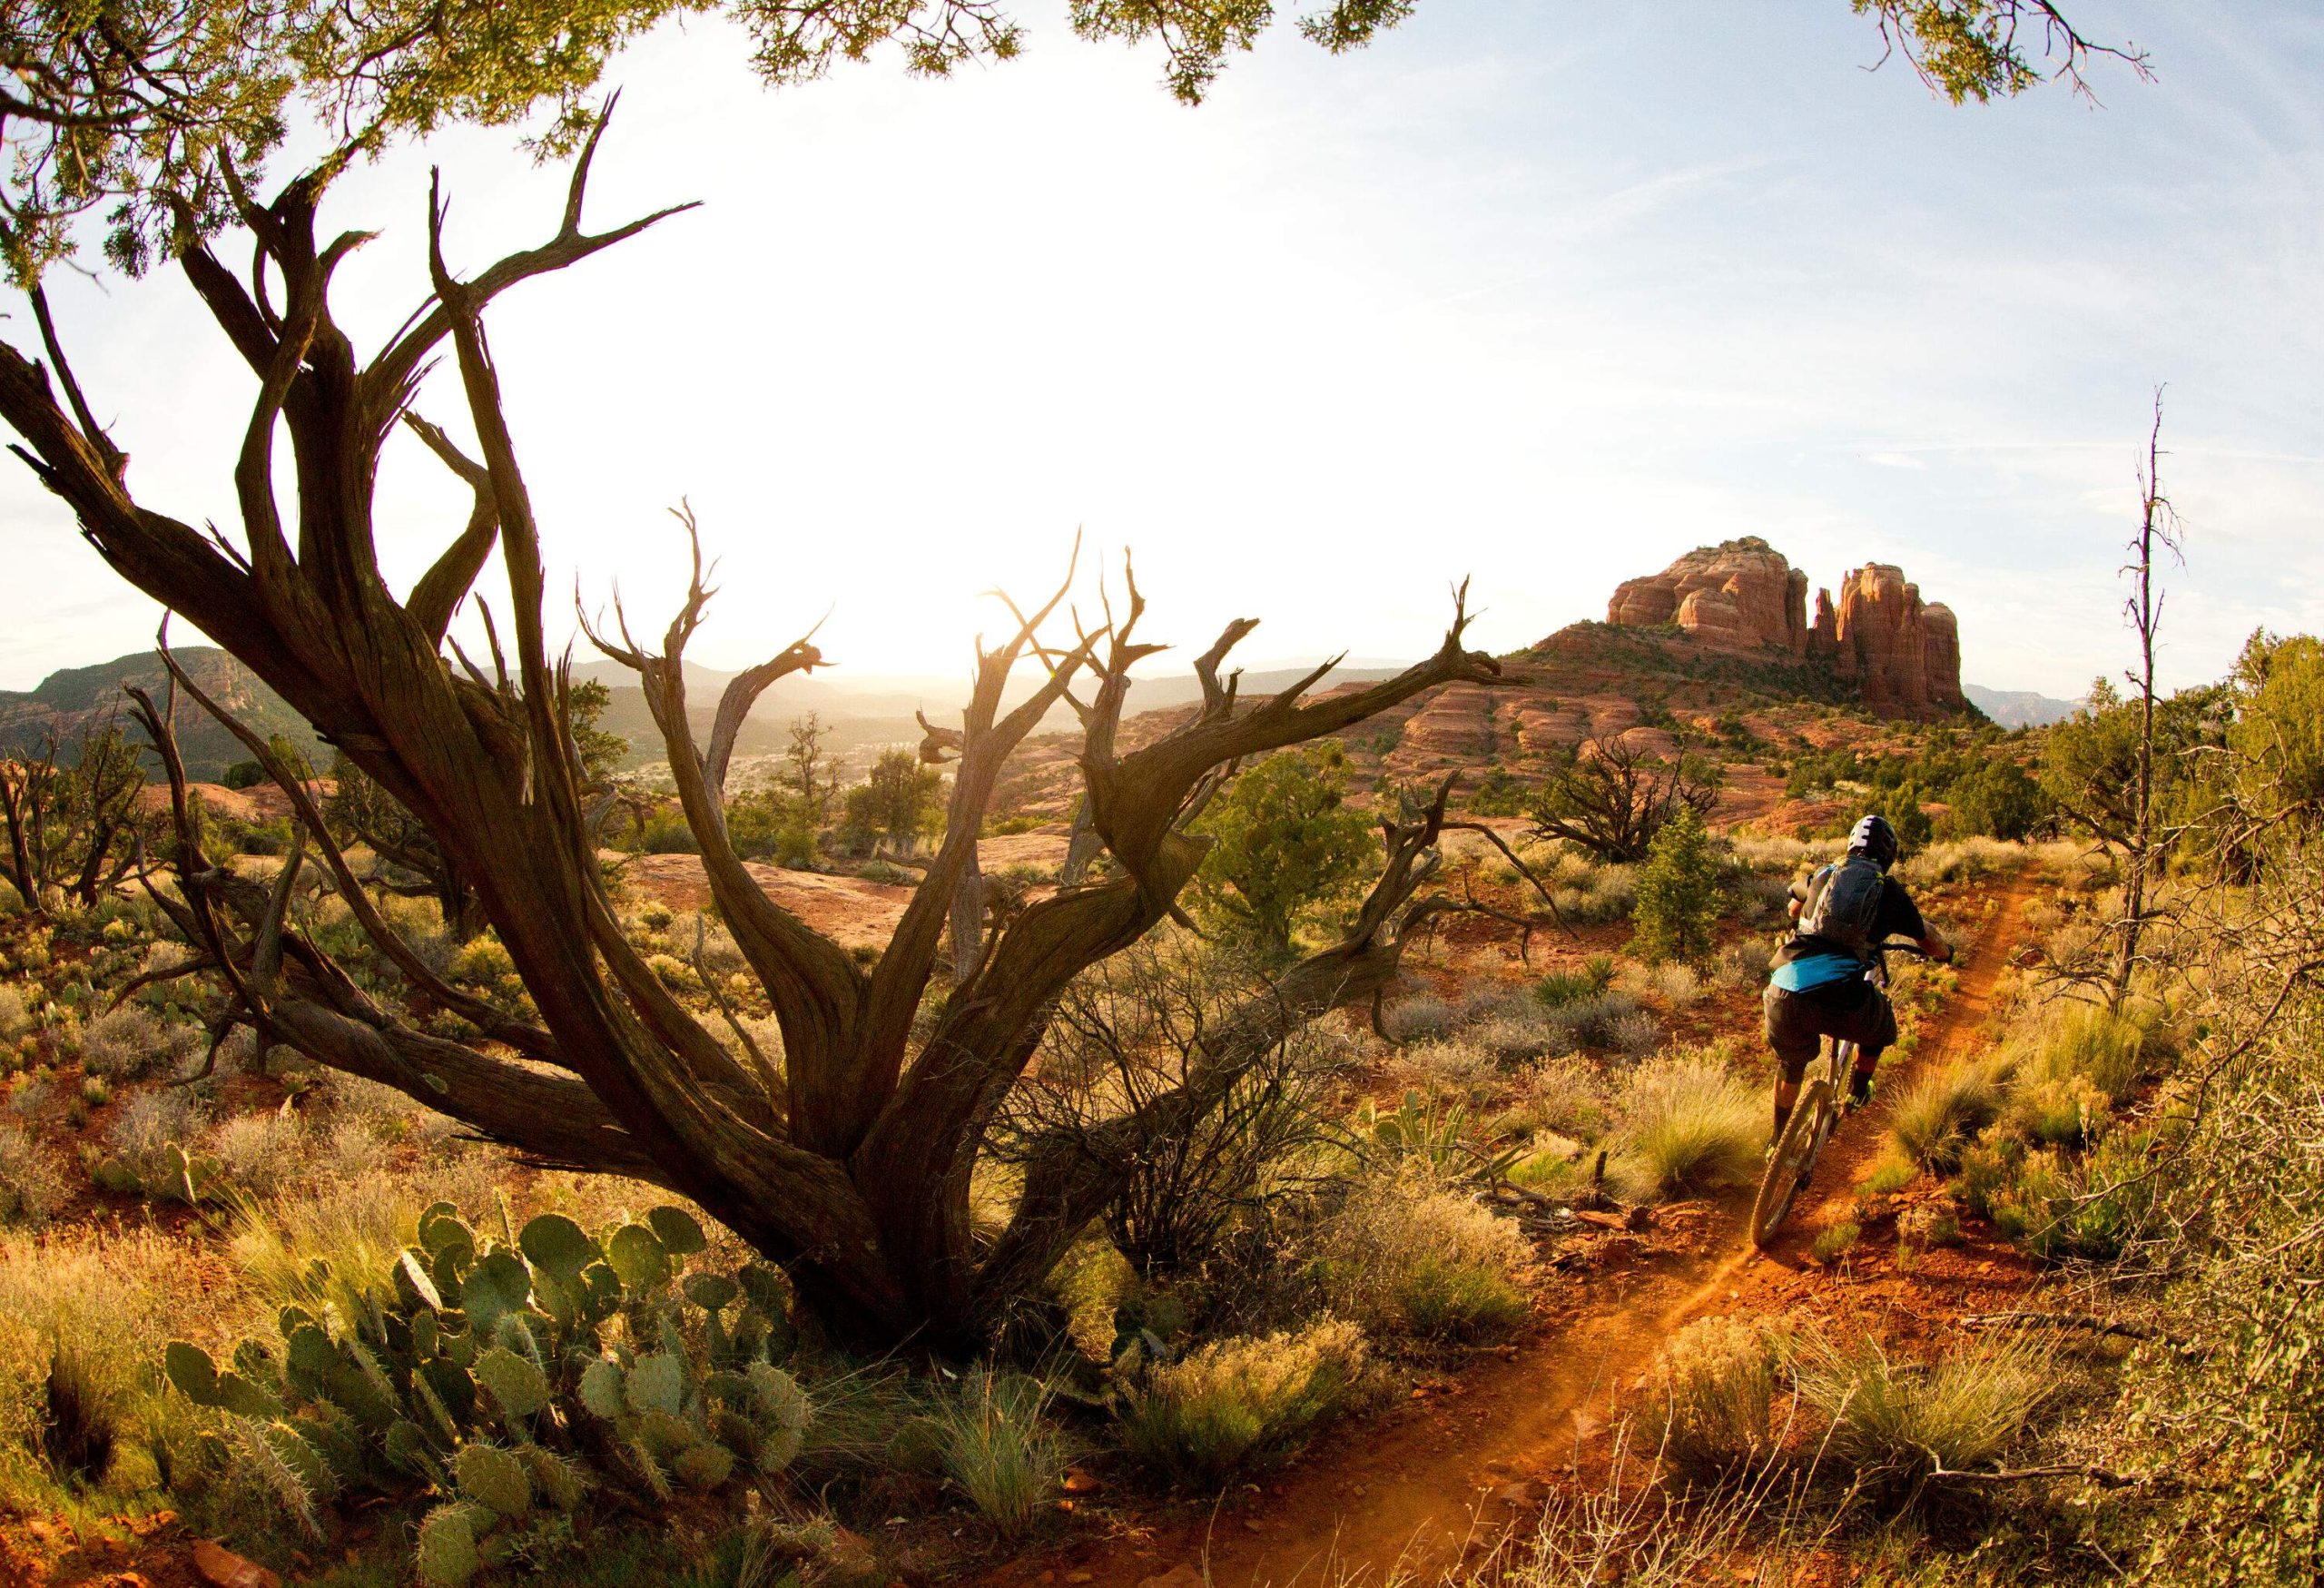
{"x": 1544, "y": 299}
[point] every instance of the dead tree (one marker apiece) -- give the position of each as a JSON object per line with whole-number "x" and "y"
{"x": 852, "y": 1168}
{"x": 2144, "y": 845}
{"x": 1611, "y": 798}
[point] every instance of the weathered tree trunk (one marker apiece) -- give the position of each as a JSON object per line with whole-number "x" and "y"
{"x": 854, "y": 1175}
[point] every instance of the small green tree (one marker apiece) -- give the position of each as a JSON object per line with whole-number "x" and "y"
{"x": 1283, "y": 842}
{"x": 1902, "y": 806}
{"x": 1998, "y": 799}
{"x": 893, "y": 803}
{"x": 1678, "y": 892}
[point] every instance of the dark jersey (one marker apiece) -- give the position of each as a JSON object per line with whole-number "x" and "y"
{"x": 1896, "y": 916}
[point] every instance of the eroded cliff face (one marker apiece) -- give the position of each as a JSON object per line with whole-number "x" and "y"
{"x": 1739, "y": 595}
{"x": 1901, "y": 652}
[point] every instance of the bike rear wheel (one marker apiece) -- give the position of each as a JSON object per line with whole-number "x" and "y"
{"x": 1803, "y": 1139}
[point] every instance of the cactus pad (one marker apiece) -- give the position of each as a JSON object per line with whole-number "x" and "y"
{"x": 494, "y": 1477}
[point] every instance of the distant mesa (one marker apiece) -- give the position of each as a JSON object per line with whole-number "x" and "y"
{"x": 1743, "y": 596}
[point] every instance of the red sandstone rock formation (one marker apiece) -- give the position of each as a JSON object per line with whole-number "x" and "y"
{"x": 1899, "y": 650}
{"x": 1744, "y": 596}
{"x": 1737, "y": 596}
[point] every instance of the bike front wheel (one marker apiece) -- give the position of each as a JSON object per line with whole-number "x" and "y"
{"x": 1793, "y": 1157}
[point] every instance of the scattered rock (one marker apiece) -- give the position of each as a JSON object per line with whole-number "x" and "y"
{"x": 223, "y": 1568}
{"x": 1077, "y": 1481}
{"x": 1182, "y": 1575}
{"x": 1518, "y": 1497}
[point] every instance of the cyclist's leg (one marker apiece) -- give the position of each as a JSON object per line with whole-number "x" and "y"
{"x": 1794, "y": 1034}
{"x": 1871, "y": 1025}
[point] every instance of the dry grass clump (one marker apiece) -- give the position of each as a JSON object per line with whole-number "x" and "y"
{"x": 1456, "y": 1067}
{"x": 32, "y": 1186}
{"x": 1689, "y": 1125}
{"x": 1941, "y": 1109}
{"x": 1961, "y": 860}
{"x": 1562, "y": 1094}
{"x": 16, "y": 1020}
{"x": 1234, "y": 1402}
{"x": 998, "y": 1448}
{"x": 1895, "y": 1421}
{"x": 1410, "y": 1258}
{"x": 82, "y": 1312}
{"x": 1775, "y": 856}
{"x": 1714, "y": 1390}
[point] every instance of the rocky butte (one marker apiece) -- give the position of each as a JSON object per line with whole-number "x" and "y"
{"x": 1901, "y": 653}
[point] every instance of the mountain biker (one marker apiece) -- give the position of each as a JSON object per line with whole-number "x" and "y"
{"x": 1818, "y": 988}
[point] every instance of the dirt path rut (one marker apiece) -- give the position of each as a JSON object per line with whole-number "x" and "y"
{"x": 1399, "y": 1497}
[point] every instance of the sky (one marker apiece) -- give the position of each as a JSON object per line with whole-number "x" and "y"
{"x": 1541, "y": 295}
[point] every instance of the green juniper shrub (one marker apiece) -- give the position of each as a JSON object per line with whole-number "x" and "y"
{"x": 1678, "y": 893}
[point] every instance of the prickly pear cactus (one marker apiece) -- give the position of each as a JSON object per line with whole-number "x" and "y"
{"x": 487, "y": 1367}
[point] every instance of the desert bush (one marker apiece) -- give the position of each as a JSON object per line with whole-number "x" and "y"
{"x": 257, "y": 1153}
{"x": 153, "y": 1148}
{"x": 1232, "y": 1403}
{"x": 1285, "y": 842}
{"x": 1562, "y": 1094}
{"x": 2060, "y": 1207}
{"x": 1405, "y": 1256}
{"x": 1677, "y": 984}
{"x": 1891, "y": 1174}
{"x": 32, "y": 1187}
{"x": 1595, "y": 1021}
{"x": 1419, "y": 1018}
{"x": 1933, "y": 1121}
{"x": 128, "y": 1042}
{"x": 1605, "y": 894}
{"x": 1744, "y": 963}
{"x": 1634, "y": 1035}
{"x": 1714, "y": 1389}
{"x": 1125, "y": 1044}
{"x": 1554, "y": 1166}
{"x": 998, "y": 1448}
{"x": 1689, "y": 1124}
{"x": 1893, "y": 1421}
{"x": 1928, "y": 1225}
{"x": 1513, "y": 1040}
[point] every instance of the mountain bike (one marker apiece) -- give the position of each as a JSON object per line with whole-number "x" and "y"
{"x": 1823, "y": 1098}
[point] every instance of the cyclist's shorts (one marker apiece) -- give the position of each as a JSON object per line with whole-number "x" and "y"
{"x": 1852, "y": 1011}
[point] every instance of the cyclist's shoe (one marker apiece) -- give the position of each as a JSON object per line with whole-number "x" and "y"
{"x": 1859, "y": 1087}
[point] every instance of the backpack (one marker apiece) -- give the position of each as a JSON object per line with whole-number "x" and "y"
{"x": 1844, "y": 906}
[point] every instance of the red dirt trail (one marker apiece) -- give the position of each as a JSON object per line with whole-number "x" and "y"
{"x": 1398, "y": 1498}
